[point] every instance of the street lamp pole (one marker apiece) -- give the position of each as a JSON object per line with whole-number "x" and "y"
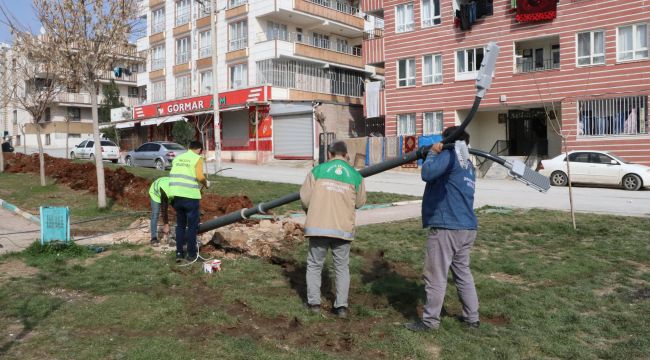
{"x": 215, "y": 84}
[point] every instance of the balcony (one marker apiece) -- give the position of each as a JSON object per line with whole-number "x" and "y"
{"x": 314, "y": 48}
{"x": 110, "y": 75}
{"x": 74, "y": 98}
{"x": 529, "y": 65}
{"x": 333, "y": 10}
{"x": 153, "y": 3}
{"x": 373, "y": 47}
{"x": 205, "y": 52}
{"x": 236, "y": 8}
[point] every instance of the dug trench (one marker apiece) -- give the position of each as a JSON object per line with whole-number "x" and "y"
{"x": 124, "y": 188}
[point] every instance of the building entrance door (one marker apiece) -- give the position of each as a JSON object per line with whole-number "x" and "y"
{"x": 527, "y": 133}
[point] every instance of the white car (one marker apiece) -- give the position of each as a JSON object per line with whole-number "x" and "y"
{"x": 86, "y": 150}
{"x": 596, "y": 167}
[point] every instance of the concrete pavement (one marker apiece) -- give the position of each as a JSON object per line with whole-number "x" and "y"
{"x": 507, "y": 193}
{"x": 10, "y": 224}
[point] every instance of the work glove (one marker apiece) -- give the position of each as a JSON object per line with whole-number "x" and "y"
{"x": 422, "y": 152}
{"x": 207, "y": 184}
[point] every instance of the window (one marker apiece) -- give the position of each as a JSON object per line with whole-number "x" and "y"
{"x": 158, "y": 58}
{"x": 158, "y": 91}
{"x": 432, "y": 123}
{"x": 238, "y": 35}
{"x": 342, "y": 46}
{"x": 430, "y": 13}
{"x": 404, "y": 18}
{"x": 182, "y": 12}
{"x": 320, "y": 40}
{"x": 615, "y": 116}
{"x": 48, "y": 139}
{"x": 238, "y": 76}
{"x": 235, "y": 3}
{"x": 182, "y": 50}
{"x": 555, "y": 55}
{"x": 582, "y": 157}
{"x": 598, "y": 158}
{"x": 183, "y": 88}
{"x": 205, "y": 44}
{"x": 405, "y": 124}
{"x": 205, "y": 8}
{"x": 468, "y": 63}
{"x": 432, "y": 69}
{"x": 591, "y": 48}
{"x": 632, "y": 42}
{"x": 74, "y": 136}
{"x": 275, "y": 31}
{"x": 206, "y": 82}
{"x": 406, "y": 72}
{"x": 18, "y": 140}
{"x": 133, "y": 92}
{"x": 15, "y": 115}
{"x": 158, "y": 21}
{"x": 74, "y": 114}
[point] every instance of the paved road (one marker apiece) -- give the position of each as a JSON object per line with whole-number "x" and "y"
{"x": 507, "y": 193}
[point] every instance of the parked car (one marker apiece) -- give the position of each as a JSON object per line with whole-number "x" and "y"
{"x": 86, "y": 150}
{"x": 157, "y": 154}
{"x": 596, "y": 167}
{"x": 6, "y": 145}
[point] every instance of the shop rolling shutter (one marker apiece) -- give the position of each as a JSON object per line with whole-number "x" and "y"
{"x": 293, "y": 136}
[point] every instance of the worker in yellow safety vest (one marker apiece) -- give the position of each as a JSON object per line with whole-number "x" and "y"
{"x": 160, "y": 199}
{"x": 185, "y": 177}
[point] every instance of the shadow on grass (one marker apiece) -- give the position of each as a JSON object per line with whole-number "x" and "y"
{"x": 395, "y": 282}
{"x": 296, "y": 272}
{"x": 28, "y": 323}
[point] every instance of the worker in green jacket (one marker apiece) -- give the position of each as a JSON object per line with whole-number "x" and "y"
{"x": 186, "y": 176}
{"x": 160, "y": 199}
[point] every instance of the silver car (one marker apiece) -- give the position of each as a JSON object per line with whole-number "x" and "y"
{"x": 157, "y": 154}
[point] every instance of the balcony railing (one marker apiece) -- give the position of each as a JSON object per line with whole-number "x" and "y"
{"x": 529, "y": 65}
{"x": 157, "y": 64}
{"x": 238, "y": 44}
{"x": 338, "y": 6}
{"x": 205, "y": 52}
{"x": 157, "y": 27}
{"x": 373, "y": 34}
{"x": 110, "y": 75}
{"x": 235, "y": 3}
{"x": 74, "y": 98}
{"x": 300, "y": 38}
{"x": 182, "y": 58}
{"x": 182, "y": 17}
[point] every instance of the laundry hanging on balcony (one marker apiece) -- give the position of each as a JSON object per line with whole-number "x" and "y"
{"x": 536, "y": 10}
{"x": 468, "y": 12}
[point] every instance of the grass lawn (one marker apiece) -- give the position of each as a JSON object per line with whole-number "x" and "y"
{"x": 545, "y": 290}
{"x": 24, "y": 191}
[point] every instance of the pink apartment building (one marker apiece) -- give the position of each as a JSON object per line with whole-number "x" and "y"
{"x": 573, "y": 68}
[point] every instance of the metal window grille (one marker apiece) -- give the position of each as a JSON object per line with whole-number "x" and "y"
{"x": 205, "y": 52}
{"x": 238, "y": 44}
{"x": 309, "y": 77}
{"x": 336, "y": 5}
{"x": 235, "y": 3}
{"x": 617, "y": 116}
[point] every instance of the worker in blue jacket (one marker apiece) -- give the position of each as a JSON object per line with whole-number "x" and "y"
{"x": 448, "y": 213}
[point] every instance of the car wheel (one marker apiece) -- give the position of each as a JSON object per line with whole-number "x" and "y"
{"x": 159, "y": 165}
{"x": 72, "y": 156}
{"x": 92, "y": 157}
{"x": 632, "y": 182}
{"x": 128, "y": 161}
{"x": 559, "y": 178}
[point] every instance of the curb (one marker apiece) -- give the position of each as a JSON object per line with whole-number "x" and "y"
{"x": 14, "y": 209}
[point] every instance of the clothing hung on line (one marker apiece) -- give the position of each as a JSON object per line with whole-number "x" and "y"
{"x": 471, "y": 11}
{"x": 536, "y": 10}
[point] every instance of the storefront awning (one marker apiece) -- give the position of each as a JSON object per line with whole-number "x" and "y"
{"x": 163, "y": 119}
{"x": 125, "y": 125}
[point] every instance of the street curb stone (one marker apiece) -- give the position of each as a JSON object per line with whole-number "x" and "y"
{"x": 14, "y": 209}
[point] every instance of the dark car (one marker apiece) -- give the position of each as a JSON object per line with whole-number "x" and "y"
{"x": 6, "y": 146}
{"x": 157, "y": 154}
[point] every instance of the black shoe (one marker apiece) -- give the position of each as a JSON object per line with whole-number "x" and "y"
{"x": 154, "y": 242}
{"x": 314, "y": 308}
{"x": 341, "y": 312}
{"x": 469, "y": 324}
{"x": 419, "y": 326}
{"x": 179, "y": 257}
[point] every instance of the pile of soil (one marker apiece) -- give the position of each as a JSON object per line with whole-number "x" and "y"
{"x": 123, "y": 187}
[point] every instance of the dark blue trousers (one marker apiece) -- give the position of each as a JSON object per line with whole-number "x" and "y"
{"x": 187, "y": 224}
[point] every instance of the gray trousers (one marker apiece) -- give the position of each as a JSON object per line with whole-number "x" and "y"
{"x": 318, "y": 247}
{"x": 449, "y": 249}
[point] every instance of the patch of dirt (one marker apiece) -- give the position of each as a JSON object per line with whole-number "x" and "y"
{"x": 125, "y": 188}
{"x": 68, "y": 295}
{"x": 15, "y": 269}
{"x": 433, "y": 351}
{"x": 496, "y": 320}
{"x": 506, "y": 278}
{"x": 608, "y": 290}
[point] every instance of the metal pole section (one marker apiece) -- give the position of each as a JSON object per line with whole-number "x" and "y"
{"x": 215, "y": 89}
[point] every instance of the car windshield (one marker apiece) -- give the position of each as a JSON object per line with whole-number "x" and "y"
{"x": 172, "y": 146}
{"x": 108, "y": 143}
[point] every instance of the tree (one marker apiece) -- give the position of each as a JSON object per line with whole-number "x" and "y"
{"x": 183, "y": 133}
{"x": 90, "y": 37}
{"x": 111, "y": 133}
{"x": 35, "y": 86}
{"x": 110, "y": 101}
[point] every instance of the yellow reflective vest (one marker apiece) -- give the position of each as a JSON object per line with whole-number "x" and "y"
{"x": 182, "y": 177}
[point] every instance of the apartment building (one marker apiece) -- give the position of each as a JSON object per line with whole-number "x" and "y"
{"x": 567, "y": 69}
{"x": 283, "y": 60}
{"x": 69, "y": 119}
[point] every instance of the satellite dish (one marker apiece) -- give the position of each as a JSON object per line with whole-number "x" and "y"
{"x": 42, "y": 30}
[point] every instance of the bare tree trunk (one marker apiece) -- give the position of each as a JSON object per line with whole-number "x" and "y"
{"x": 41, "y": 158}
{"x": 99, "y": 163}
{"x": 2, "y": 161}
{"x": 67, "y": 138}
{"x": 22, "y": 131}
{"x": 568, "y": 171}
